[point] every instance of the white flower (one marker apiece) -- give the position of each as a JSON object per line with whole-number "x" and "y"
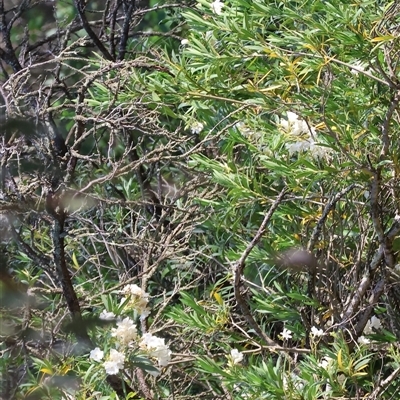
{"x": 216, "y": 6}
{"x": 363, "y": 340}
{"x": 318, "y": 151}
{"x": 111, "y": 367}
{"x": 298, "y": 147}
{"x": 184, "y": 42}
{"x": 373, "y": 323}
{"x": 286, "y": 334}
{"x": 196, "y": 128}
{"x": 316, "y": 332}
{"x": 376, "y": 322}
{"x": 114, "y": 363}
{"x": 237, "y": 356}
{"x": 138, "y": 299}
{"x": 325, "y": 361}
{"x": 125, "y": 332}
{"x": 304, "y": 137}
{"x": 107, "y": 316}
{"x": 134, "y": 290}
{"x": 96, "y": 354}
{"x": 156, "y": 347}
{"x": 295, "y": 126}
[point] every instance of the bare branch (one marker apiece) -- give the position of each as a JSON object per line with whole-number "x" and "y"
{"x": 238, "y": 267}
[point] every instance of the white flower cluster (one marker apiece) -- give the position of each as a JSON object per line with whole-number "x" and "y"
{"x": 315, "y": 332}
{"x": 304, "y": 135}
{"x": 236, "y": 356}
{"x": 114, "y": 363}
{"x": 107, "y": 316}
{"x": 196, "y": 127}
{"x": 127, "y": 336}
{"x": 125, "y": 332}
{"x": 137, "y": 299}
{"x": 373, "y": 323}
{"x": 363, "y": 340}
{"x": 216, "y": 6}
{"x": 155, "y": 347}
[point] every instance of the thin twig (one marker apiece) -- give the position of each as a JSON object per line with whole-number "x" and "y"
{"x": 328, "y": 207}
{"x": 238, "y": 268}
{"x": 89, "y": 31}
{"x": 385, "y": 128}
{"x": 384, "y": 384}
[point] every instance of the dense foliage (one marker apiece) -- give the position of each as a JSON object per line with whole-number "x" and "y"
{"x": 200, "y": 200}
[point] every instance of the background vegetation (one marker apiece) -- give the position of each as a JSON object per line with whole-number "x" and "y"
{"x": 199, "y": 200}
